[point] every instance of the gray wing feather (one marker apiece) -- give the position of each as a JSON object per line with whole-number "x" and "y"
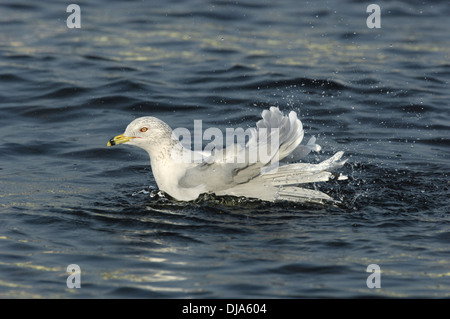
{"x": 236, "y": 164}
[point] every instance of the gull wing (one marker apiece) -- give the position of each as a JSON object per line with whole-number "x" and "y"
{"x": 275, "y": 137}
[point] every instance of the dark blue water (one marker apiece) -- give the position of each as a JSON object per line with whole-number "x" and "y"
{"x": 381, "y": 95}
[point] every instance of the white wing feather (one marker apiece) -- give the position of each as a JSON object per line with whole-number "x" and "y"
{"x": 223, "y": 174}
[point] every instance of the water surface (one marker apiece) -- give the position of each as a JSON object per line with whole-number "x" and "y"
{"x": 380, "y": 95}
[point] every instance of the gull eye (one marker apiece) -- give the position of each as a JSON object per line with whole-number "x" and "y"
{"x": 144, "y": 129}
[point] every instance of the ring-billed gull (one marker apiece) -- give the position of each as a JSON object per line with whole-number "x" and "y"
{"x": 185, "y": 179}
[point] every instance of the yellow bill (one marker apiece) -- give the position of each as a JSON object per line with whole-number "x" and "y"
{"x": 119, "y": 139}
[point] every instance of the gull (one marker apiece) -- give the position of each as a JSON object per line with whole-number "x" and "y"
{"x": 235, "y": 170}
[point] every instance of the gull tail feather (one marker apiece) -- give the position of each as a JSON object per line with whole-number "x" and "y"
{"x": 282, "y": 184}
{"x": 294, "y": 174}
{"x": 298, "y": 194}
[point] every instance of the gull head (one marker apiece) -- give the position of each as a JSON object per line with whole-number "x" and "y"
{"x": 143, "y": 132}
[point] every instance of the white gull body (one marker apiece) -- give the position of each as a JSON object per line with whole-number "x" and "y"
{"x": 185, "y": 180}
